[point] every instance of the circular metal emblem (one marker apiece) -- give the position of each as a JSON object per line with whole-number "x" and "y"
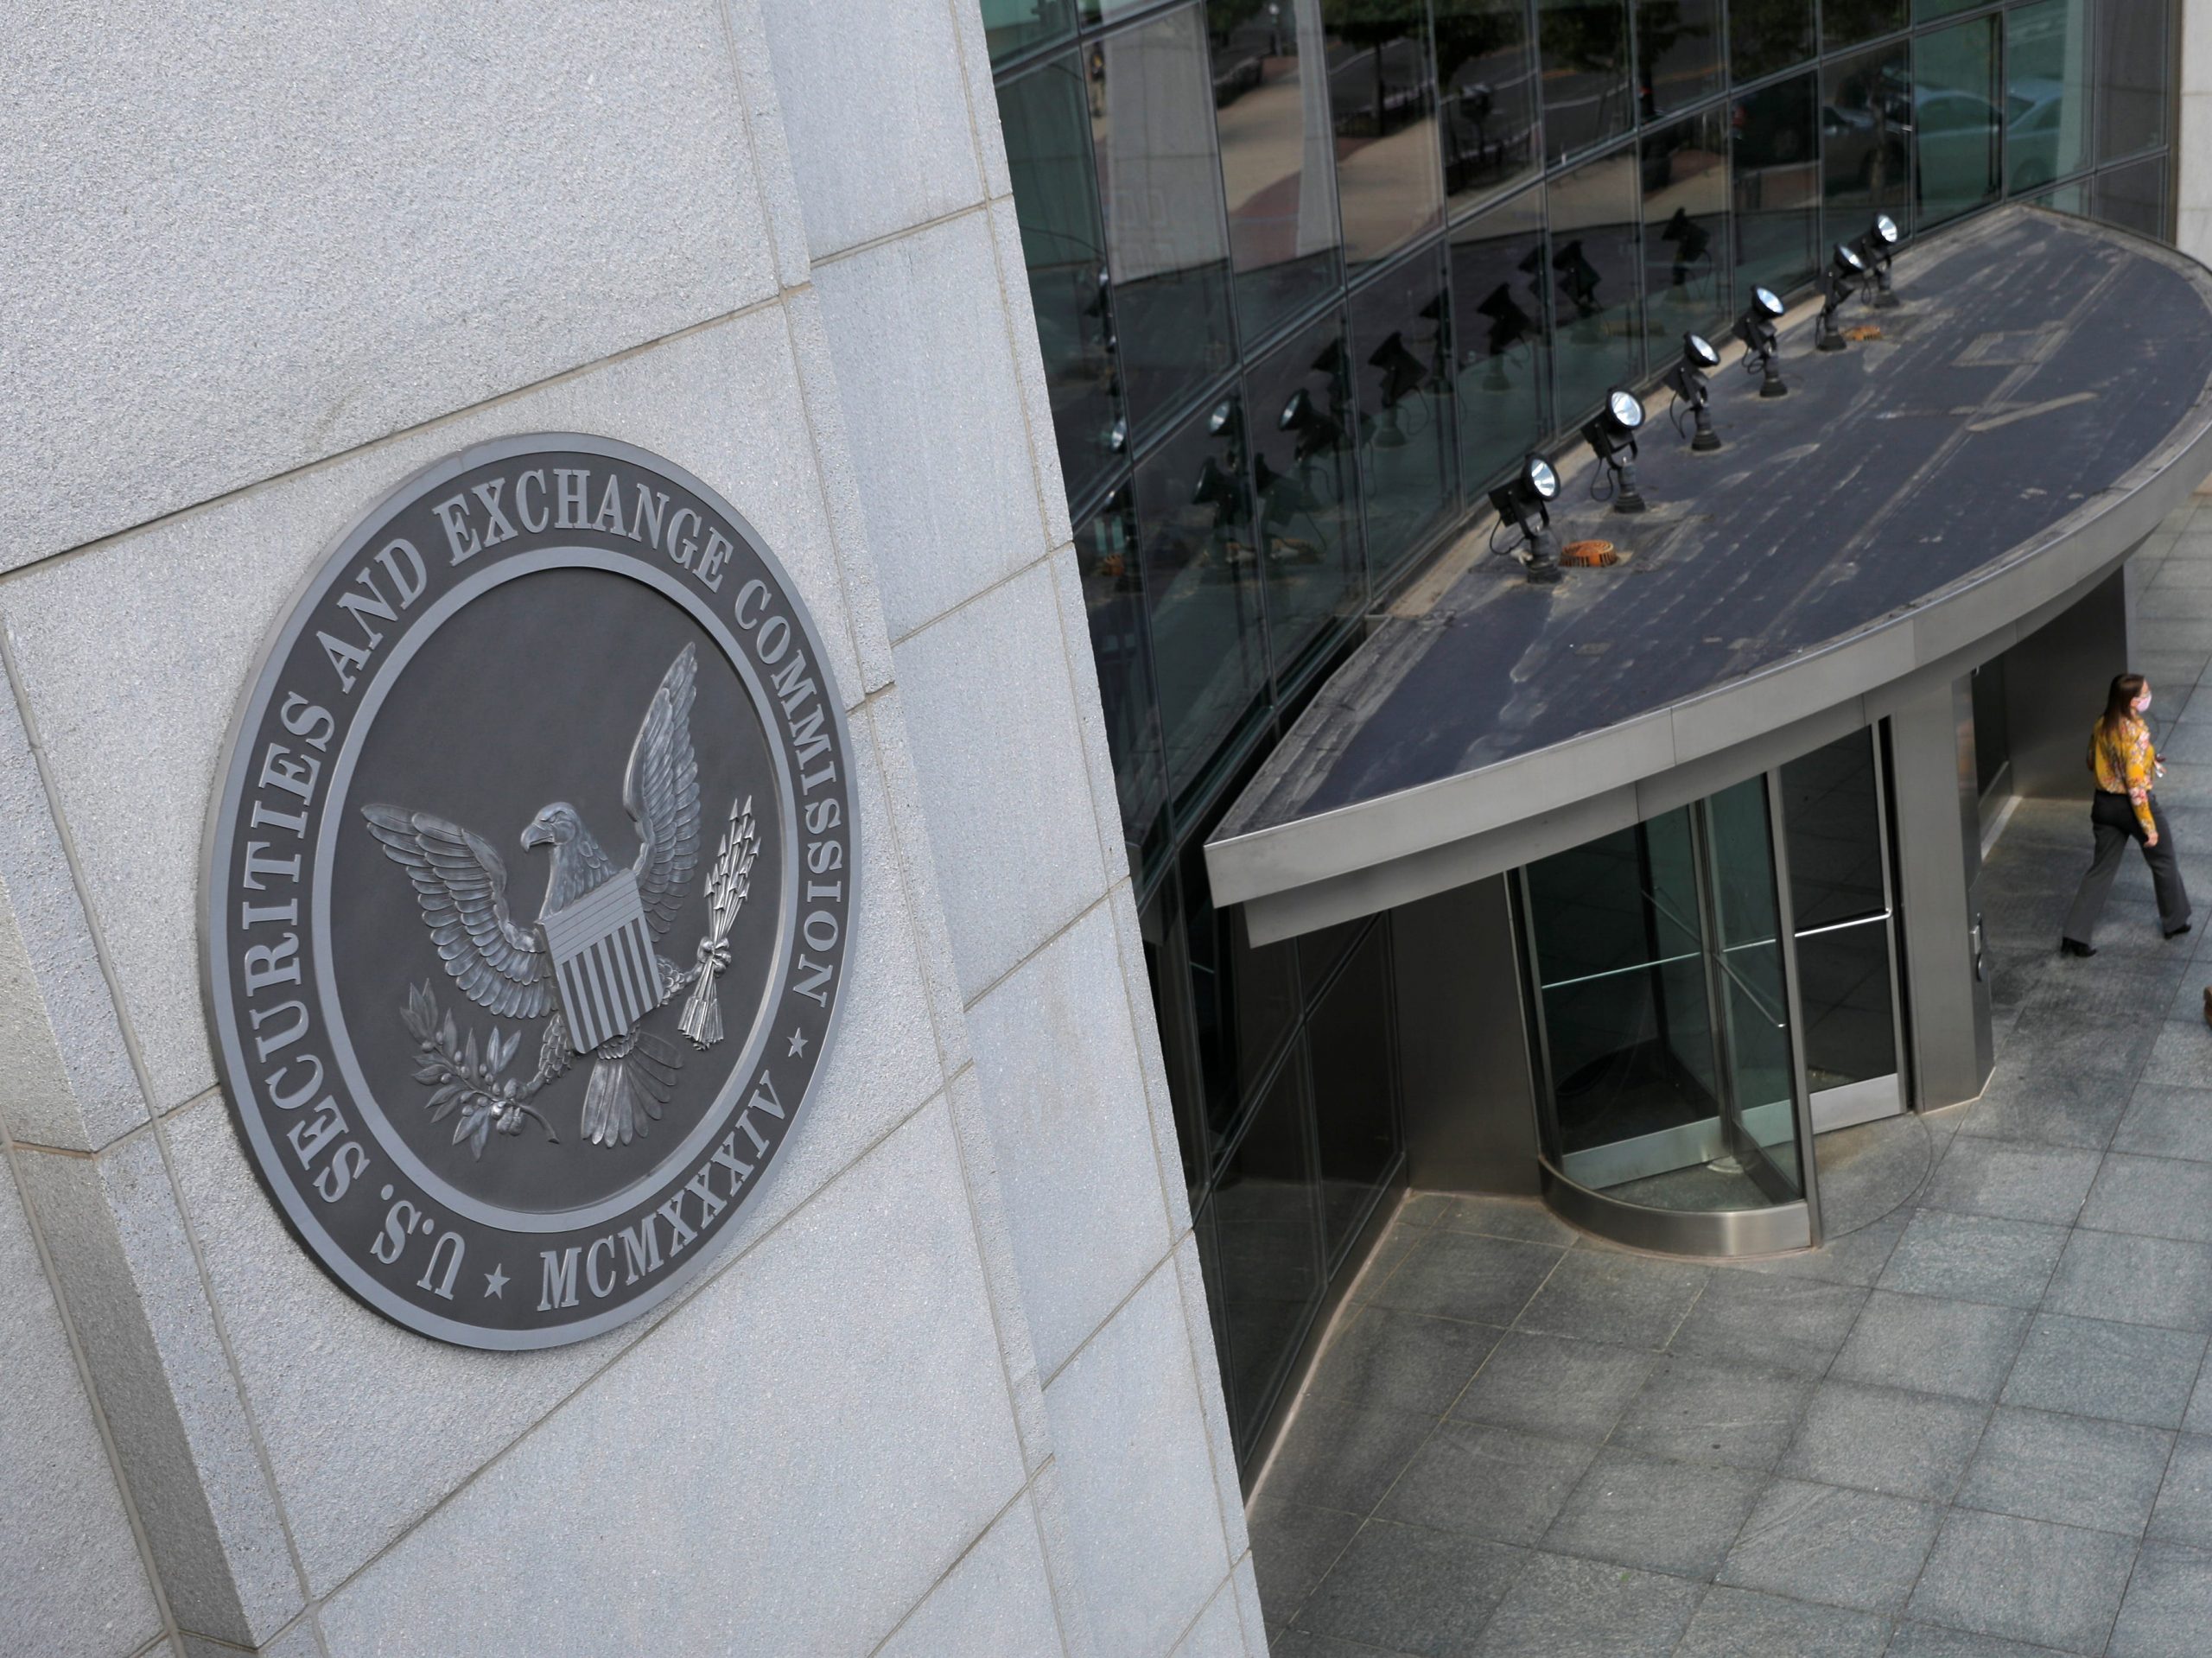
{"x": 529, "y": 890}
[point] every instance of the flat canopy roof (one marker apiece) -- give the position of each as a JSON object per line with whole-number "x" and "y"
{"x": 1913, "y": 505}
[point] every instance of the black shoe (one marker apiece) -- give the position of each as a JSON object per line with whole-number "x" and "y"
{"x": 2175, "y": 932}
{"x": 2074, "y": 947}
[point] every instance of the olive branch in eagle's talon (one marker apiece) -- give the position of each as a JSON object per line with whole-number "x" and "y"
{"x": 465, "y": 1078}
{"x": 729, "y": 884}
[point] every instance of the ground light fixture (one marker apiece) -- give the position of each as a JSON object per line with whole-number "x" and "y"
{"x": 1876, "y": 244}
{"x": 1756, "y": 329}
{"x": 1316, "y": 428}
{"x": 1402, "y": 374}
{"x": 1847, "y": 271}
{"x": 1692, "y": 391}
{"x": 1611, "y": 436}
{"x": 1510, "y": 325}
{"x": 1692, "y": 243}
{"x": 1524, "y": 505}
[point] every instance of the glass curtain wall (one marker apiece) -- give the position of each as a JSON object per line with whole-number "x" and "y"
{"x": 1310, "y": 276}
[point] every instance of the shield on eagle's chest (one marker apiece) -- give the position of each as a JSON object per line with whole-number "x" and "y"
{"x": 603, "y": 961}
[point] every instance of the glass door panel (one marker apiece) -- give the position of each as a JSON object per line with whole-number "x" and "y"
{"x": 1759, "y": 1091}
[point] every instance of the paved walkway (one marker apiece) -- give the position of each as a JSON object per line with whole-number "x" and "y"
{"x": 1979, "y": 1426}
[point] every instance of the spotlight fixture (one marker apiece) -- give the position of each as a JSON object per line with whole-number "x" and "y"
{"x": 1402, "y": 374}
{"x": 1509, "y": 326}
{"x": 1316, "y": 428}
{"x": 1688, "y": 382}
{"x": 1847, "y": 270}
{"x": 1611, "y": 437}
{"x": 1525, "y": 504}
{"x": 1692, "y": 242}
{"x": 1875, "y": 245}
{"x": 1756, "y": 329}
{"x": 1578, "y": 280}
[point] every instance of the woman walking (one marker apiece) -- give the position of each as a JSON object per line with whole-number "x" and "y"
{"x": 2126, "y": 766}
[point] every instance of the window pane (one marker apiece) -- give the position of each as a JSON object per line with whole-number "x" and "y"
{"x": 1594, "y": 271}
{"x": 1766, "y": 35}
{"x": 1271, "y": 108}
{"x": 1355, "y": 1089}
{"x": 1160, "y": 924}
{"x": 1244, "y": 1001}
{"x": 2131, "y": 71}
{"x": 1846, "y": 23}
{"x": 1486, "y": 71}
{"x": 1865, "y": 117}
{"x": 1160, "y": 180}
{"x": 1113, "y": 598}
{"x": 1012, "y": 26}
{"x": 2133, "y": 197}
{"x": 2046, "y": 92}
{"x": 1832, "y": 813}
{"x": 1776, "y": 182}
{"x": 1928, "y": 11}
{"x": 1677, "y": 53}
{"x": 1497, "y": 309}
{"x": 1686, "y": 231}
{"x": 1304, "y": 471}
{"x": 1955, "y": 93}
{"x": 1194, "y": 525}
{"x": 1048, "y": 153}
{"x": 1389, "y": 175}
{"x": 2066, "y": 199}
{"x": 1406, "y": 443}
{"x": 1583, "y": 48}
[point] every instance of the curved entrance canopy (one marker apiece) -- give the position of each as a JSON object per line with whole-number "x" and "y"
{"x": 1916, "y": 505}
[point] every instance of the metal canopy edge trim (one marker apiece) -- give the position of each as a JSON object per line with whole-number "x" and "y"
{"x": 1353, "y": 860}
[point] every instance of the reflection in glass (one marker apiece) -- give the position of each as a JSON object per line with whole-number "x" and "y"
{"x": 1832, "y": 814}
{"x": 1499, "y": 282}
{"x": 1271, "y": 109}
{"x": 1161, "y": 925}
{"x": 1846, "y": 23}
{"x": 1777, "y": 178}
{"x": 1048, "y": 153}
{"x": 1865, "y": 119}
{"x": 1305, "y": 473}
{"x": 1954, "y": 108}
{"x": 1112, "y": 600}
{"x": 1593, "y": 282}
{"x": 1755, "y": 1022}
{"x": 2131, "y": 70}
{"x": 1677, "y": 53}
{"x": 1014, "y": 26}
{"x": 1355, "y": 1113}
{"x": 1194, "y": 526}
{"x": 1583, "y": 49}
{"x": 1767, "y": 36}
{"x": 1244, "y": 1001}
{"x": 1268, "y": 1244}
{"x": 1383, "y": 96}
{"x": 1160, "y": 184}
{"x": 2066, "y": 199}
{"x": 1406, "y": 441}
{"x": 1486, "y": 75}
{"x": 1686, "y": 231}
{"x": 2046, "y": 92}
{"x": 2134, "y": 197}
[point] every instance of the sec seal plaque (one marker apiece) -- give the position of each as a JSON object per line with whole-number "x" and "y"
{"x": 529, "y": 891}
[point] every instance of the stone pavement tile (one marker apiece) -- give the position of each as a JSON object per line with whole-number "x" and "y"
{"x": 2119, "y": 1373}
{"x": 1788, "y": 1323}
{"x": 1930, "y": 1641}
{"x": 1525, "y": 1218}
{"x": 1837, "y": 1547}
{"x": 2182, "y": 1055}
{"x": 1455, "y": 1275}
{"x": 1854, "y": 1258}
{"x": 2183, "y": 1514}
{"x": 1738, "y": 1623}
{"x": 1883, "y": 1439}
{"x": 1631, "y": 1300}
{"x": 1566, "y": 1607}
{"x": 2135, "y": 1279}
{"x": 1292, "y": 1547}
{"x": 1655, "y": 1515}
{"x": 2163, "y": 1120}
{"x": 1555, "y": 1385}
{"x": 1408, "y": 1588}
{"x": 1974, "y": 1258}
{"x": 1304, "y": 1643}
{"x": 1390, "y": 1253}
{"x": 1931, "y": 1344}
{"x": 1493, "y": 1483}
{"x": 2168, "y": 1611}
{"x": 2074, "y": 1043}
{"x": 2053, "y": 1104}
{"x": 1346, "y": 1455}
{"x": 1707, "y": 1410}
{"x": 1406, "y": 1361}
{"x": 1424, "y": 1207}
{"x": 2072, "y": 1470}
{"x": 2198, "y": 1418}
{"x": 2113, "y": 987}
{"x": 2152, "y": 1196}
{"x": 2023, "y": 1580}
{"x": 2011, "y": 1180}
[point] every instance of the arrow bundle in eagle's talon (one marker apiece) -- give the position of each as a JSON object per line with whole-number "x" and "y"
{"x": 728, "y": 883}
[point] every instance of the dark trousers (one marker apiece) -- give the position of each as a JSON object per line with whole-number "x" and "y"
{"x": 2113, "y": 817}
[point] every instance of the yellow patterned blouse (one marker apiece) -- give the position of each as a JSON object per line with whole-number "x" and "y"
{"x": 2126, "y": 765}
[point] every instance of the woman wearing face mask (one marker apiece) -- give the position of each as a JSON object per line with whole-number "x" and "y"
{"x": 2126, "y": 766}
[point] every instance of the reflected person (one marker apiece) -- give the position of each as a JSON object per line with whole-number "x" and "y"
{"x": 2126, "y": 766}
